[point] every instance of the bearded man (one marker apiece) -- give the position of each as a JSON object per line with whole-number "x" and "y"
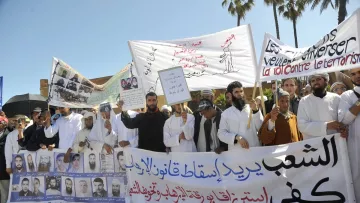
{"x": 233, "y": 128}
{"x": 44, "y": 164}
{"x": 318, "y": 112}
{"x": 150, "y": 125}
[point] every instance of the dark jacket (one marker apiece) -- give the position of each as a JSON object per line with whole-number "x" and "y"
{"x": 32, "y": 141}
{"x": 22, "y": 194}
{"x": 294, "y": 104}
{"x": 150, "y": 127}
{"x": 3, "y": 174}
{"x": 207, "y": 129}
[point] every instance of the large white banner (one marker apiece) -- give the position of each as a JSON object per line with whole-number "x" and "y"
{"x": 337, "y": 50}
{"x": 68, "y": 88}
{"x": 315, "y": 170}
{"x": 209, "y": 61}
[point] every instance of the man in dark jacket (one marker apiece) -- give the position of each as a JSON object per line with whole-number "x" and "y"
{"x": 150, "y": 125}
{"x": 28, "y": 132}
{"x": 4, "y": 176}
{"x": 207, "y": 121}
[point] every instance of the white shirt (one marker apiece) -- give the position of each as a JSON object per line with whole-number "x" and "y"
{"x": 234, "y": 122}
{"x": 173, "y": 127}
{"x": 348, "y": 99}
{"x": 52, "y": 192}
{"x": 201, "y": 145}
{"x": 68, "y": 127}
{"x": 80, "y": 137}
{"x": 99, "y": 135}
{"x": 11, "y": 146}
{"x": 314, "y": 113}
{"x": 125, "y": 134}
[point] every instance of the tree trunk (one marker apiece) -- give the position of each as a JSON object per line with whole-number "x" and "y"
{"x": 295, "y": 34}
{"x": 238, "y": 20}
{"x": 342, "y": 11}
{"x": 276, "y": 22}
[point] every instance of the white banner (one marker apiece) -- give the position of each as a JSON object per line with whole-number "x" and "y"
{"x": 68, "y": 88}
{"x": 337, "y": 50}
{"x": 315, "y": 170}
{"x": 209, "y": 62}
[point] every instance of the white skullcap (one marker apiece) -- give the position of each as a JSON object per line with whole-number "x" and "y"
{"x": 206, "y": 92}
{"x": 116, "y": 182}
{"x": 259, "y": 98}
{"x": 323, "y": 75}
{"x": 166, "y": 107}
{"x": 336, "y": 83}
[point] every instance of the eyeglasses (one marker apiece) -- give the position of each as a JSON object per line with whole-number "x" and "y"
{"x": 337, "y": 89}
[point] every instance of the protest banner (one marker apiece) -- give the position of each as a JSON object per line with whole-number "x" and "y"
{"x": 68, "y": 88}
{"x": 131, "y": 90}
{"x": 223, "y": 57}
{"x": 91, "y": 176}
{"x": 1, "y": 91}
{"x": 337, "y": 50}
{"x": 315, "y": 170}
{"x": 174, "y": 85}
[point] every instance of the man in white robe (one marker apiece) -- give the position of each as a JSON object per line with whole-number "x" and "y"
{"x": 126, "y": 136}
{"x": 68, "y": 126}
{"x": 179, "y": 131}
{"x": 318, "y": 112}
{"x": 349, "y": 114}
{"x": 102, "y": 135}
{"x": 234, "y": 129}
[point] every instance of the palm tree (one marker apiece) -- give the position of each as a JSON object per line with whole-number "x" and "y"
{"x": 335, "y": 4}
{"x": 274, "y": 4}
{"x": 292, "y": 10}
{"x": 238, "y": 8}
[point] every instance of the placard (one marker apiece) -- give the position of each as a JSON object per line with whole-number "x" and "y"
{"x": 174, "y": 85}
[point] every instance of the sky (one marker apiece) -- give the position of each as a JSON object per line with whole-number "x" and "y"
{"x": 91, "y": 35}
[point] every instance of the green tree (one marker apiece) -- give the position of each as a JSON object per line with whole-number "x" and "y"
{"x": 238, "y": 8}
{"x": 292, "y": 10}
{"x": 340, "y": 5}
{"x": 274, "y": 4}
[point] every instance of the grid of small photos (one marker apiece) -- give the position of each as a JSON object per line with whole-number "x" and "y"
{"x": 89, "y": 177}
{"x": 69, "y": 86}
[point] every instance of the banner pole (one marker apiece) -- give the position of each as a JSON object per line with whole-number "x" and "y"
{"x": 251, "y": 111}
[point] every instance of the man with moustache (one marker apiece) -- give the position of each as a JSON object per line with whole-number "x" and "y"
{"x": 290, "y": 86}
{"x": 31, "y": 165}
{"x": 349, "y": 114}
{"x": 53, "y": 188}
{"x": 228, "y": 98}
{"x": 234, "y": 121}
{"x": 318, "y": 112}
{"x": 68, "y": 187}
{"x": 44, "y": 164}
{"x": 99, "y": 190}
{"x": 19, "y": 168}
{"x": 121, "y": 160}
{"x": 150, "y": 125}
{"x": 25, "y": 192}
{"x": 37, "y": 192}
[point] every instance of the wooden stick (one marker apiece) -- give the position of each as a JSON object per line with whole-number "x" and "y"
{"x": 262, "y": 100}
{"x": 251, "y": 112}
{"x": 276, "y": 94}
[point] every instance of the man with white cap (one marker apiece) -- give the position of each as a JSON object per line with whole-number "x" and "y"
{"x": 338, "y": 88}
{"x": 81, "y": 142}
{"x": 318, "y": 112}
{"x": 126, "y": 136}
{"x": 167, "y": 110}
{"x": 115, "y": 187}
{"x": 349, "y": 114}
{"x": 68, "y": 125}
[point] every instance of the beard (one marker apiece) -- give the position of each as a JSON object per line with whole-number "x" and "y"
{"x": 43, "y": 167}
{"x": 31, "y": 167}
{"x": 19, "y": 168}
{"x": 92, "y": 165}
{"x": 151, "y": 108}
{"x": 319, "y": 91}
{"x": 358, "y": 85}
{"x": 69, "y": 190}
{"x": 89, "y": 127}
{"x": 116, "y": 193}
{"x": 238, "y": 103}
